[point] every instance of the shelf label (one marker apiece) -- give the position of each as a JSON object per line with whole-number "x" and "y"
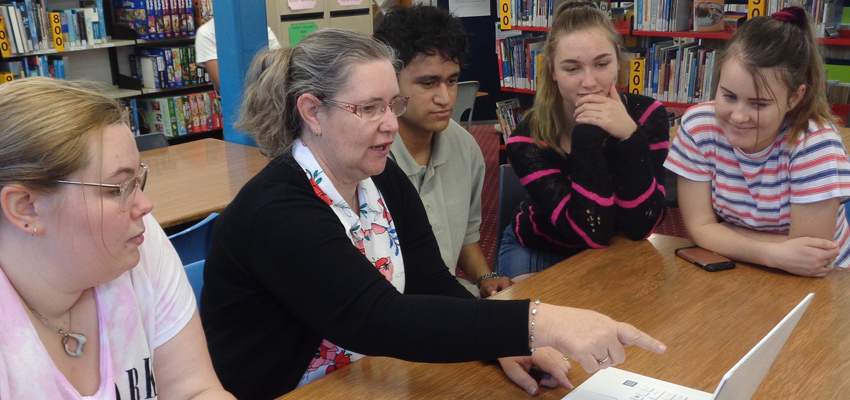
{"x": 5, "y": 46}
{"x": 349, "y": 3}
{"x": 636, "y": 75}
{"x": 505, "y": 14}
{"x": 299, "y": 31}
{"x": 755, "y": 8}
{"x": 298, "y": 5}
{"x": 56, "y": 31}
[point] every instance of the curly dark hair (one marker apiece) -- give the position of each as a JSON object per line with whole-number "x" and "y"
{"x": 424, "y": 29}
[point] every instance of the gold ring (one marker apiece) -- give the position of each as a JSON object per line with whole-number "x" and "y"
{"x": 567, "y": 359}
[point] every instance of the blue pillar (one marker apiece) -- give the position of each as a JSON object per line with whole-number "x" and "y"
{"x": 240, "y": 27}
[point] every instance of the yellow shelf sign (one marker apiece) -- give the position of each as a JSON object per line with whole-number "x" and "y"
{"x": 56, "y": 31}
{"x": 5, "y": 46}
{"x": 755, "y": 8}
{"x": 636, "y": 66}
{"x": 505, "y": 14}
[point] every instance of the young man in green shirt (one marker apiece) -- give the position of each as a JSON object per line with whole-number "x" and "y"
{"x": 440, "y": 158}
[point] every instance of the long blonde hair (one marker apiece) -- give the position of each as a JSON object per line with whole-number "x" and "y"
{"x": 546, "y": 118}
{"x": 45, "y": 128}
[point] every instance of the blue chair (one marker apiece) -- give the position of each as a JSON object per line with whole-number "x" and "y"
{"x": 511, "y": 193}
{"x": 151, "y": 141}
{"x": 193, "y": 243}
{"x": 195, "y": 273}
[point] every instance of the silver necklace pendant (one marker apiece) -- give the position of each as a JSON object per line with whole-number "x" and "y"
{"x": 81, "y": 342}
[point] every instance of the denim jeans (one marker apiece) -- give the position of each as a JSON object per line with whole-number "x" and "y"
{"x": 515, "y": 260}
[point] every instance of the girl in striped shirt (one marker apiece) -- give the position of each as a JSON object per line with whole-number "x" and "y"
{"x": 590, "y": 158}
{"x": 762, "y": 172}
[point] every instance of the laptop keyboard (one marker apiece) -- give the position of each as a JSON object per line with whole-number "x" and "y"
{"x": 645, "y": 392}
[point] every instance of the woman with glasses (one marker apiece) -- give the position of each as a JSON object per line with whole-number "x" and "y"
{"x": 93, "y": 299}
{"x": 327, "y": 254}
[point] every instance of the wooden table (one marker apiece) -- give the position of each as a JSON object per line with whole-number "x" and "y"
{"x": 189, "y": 181}
{"x": 707, "y": 320}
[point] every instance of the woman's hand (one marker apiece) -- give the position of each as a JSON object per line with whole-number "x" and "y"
{"x": 554, "y": 365}
{"x": 606, "y": 112}
{"x": 806, "y": 256}
{"x": 594, "y": 340}
{"x": 491, "y": 286}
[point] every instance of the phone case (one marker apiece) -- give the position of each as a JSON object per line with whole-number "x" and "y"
{"x": 705, "y": 259}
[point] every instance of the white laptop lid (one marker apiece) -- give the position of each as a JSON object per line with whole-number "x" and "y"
{"x": 745, "y": 377}
{"x": 740, "y": 383}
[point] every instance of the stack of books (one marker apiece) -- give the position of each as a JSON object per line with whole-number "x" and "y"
{"x": 179, "y": 115}
{"x": 156, "y": 19}
{"x": 27, "y": 26}
{"x": 166, "y": 67}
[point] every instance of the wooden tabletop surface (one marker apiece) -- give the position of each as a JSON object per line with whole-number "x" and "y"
{"x": 707, "y": 320}
{"x": 189, "y": 181}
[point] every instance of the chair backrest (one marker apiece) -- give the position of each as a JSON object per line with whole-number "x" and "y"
{"x": 151, "y": 141}
{"x": 466, "y": 92}
{"x": 193, "y": 243}
{"x": 511, "y": 193}
{"x": 195, "y": 273}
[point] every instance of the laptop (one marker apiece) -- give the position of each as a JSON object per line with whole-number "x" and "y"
{"x": 740, "y": 383}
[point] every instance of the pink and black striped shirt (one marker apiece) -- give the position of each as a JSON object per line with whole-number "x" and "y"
{"x": 601, "y": 187}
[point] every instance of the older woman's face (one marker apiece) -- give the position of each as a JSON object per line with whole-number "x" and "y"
{"x": 351, "y": 147}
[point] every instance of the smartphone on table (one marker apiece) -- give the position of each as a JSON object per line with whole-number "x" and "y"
{"x": 705, "y": 259}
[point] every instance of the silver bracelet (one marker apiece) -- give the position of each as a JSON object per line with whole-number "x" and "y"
{"x": 488, "y": 275}
{"x": 531, "y": 334}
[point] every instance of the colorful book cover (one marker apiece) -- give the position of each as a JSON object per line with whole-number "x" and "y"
{"x": 187, "y": 113}
{"x": 708, "y": 15}
{"x": 181, "y": 118}
{"x": 208, "y": 111}
{"x": 196, "y": 120}
{"x": 177, "y": 61}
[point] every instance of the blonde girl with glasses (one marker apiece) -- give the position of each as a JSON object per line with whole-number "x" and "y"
{"x": 94, "y": 302}
{"x": 327, "y": 254}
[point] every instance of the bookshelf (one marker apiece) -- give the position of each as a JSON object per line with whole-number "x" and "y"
{"x": 106, "y": 57}
{"x": 645, "y": 40}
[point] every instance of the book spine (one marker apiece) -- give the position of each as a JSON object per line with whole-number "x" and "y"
{"x": 178, "y": 71}
{"x": 5, "y": 45}
{"x": 193, "y": 67}
{"x": 190, "y": 18}
{"x": 98, "y": 4}
{"x": 208, "y": 111}
{"x": 33, "y": 24}
{"x": 178, "y": 110}
{"x": 184, "y": 66}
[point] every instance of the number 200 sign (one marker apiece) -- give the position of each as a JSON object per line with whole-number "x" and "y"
{"x": 636, "y": 75}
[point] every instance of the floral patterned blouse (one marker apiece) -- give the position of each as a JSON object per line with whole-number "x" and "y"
{"x": 370, "y": 229}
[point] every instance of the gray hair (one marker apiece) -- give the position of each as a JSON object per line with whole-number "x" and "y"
{"x": 320, "y": 65}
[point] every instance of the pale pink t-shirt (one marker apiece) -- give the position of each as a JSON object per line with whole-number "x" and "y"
{"x": 138, "y": 312}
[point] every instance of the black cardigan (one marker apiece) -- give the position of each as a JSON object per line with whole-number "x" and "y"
{"x": 282, "y": 275}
